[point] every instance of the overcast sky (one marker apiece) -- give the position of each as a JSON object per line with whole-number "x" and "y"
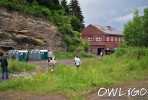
{"x": 115, "y": 13}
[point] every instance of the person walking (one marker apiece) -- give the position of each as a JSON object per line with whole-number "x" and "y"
{"x": 4, "y": 66}
{"x": 53, "y": 63}
{"x": 50, "y": 56}
{"x": 77, "y": 62}
{"x": 27, "y": 56}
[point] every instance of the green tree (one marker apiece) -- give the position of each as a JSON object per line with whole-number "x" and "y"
{"x": 86, "y": 46}
{"x": 133, "y": 31}
{"x": 66, "y": 8}
{"x": 54, "y": 5}
{"x": 75, "y": 10}
{"x": 76, "y": 24}
{"x": 31, "y": 1}
{"x": 146, "y": 27}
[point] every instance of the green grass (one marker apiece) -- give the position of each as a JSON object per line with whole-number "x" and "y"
{"x": 16, "y": 66}
{"x": 93, "y": 74}
{"x": 61, "y": 55}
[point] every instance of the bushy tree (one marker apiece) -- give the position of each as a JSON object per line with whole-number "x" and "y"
{"x": 76, "y": 24}
{"x": 134, "y": 32}
{"x": 86, "y": 46}
{"x": 75, "y": 10}
{"x": 146, "y": 27}
{"x": 65, "y": 6}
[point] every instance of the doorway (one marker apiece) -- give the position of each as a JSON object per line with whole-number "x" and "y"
{"x": 99, "y": 51}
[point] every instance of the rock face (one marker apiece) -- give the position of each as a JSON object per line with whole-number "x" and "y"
{"x": 19, "y": 31}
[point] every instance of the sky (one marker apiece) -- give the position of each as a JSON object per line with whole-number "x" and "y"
{"x": 115, "y": 13}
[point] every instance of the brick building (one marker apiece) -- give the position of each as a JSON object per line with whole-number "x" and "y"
{"x": 102, "y": 38}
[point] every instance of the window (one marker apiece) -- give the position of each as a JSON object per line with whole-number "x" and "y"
{"x": 98, "y": 38}
{"x": 112, "y": 39}
{"x": 115, "y": 38}
{"x": 119, "y": 39}
{"x": 90, "y": 39}
{"x": 107, "y": 38}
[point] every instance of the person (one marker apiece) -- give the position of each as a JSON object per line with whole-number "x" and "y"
{"x": 101, "y": 54}
{"x": 53, "y": 63}
{"x": 77, "y": 62}
{"x": 4, "y": 66}
{"x": 74, "y": 60}
{"x": 28, "y": 56}
{"x": 49, "y": 57}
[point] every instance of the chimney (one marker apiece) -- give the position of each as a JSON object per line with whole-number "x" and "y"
{"x": 109, "y": 28}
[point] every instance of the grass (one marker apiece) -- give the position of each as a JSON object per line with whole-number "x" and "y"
{"x": 16, "y": 66}
{"x": 118, "y": 68}
{"x": 61, "y": 55}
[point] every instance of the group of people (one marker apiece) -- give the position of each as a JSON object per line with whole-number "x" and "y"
{"x": 51, "y": 63}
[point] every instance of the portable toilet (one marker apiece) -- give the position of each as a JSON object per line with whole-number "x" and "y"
{"x": 44, "y": 54}
{"x": 38, "y": 55}
{"x": 22, "y": 55}
{"x": 31, "y": 55}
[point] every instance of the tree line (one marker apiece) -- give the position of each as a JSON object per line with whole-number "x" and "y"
{"x": 136, "y": 30}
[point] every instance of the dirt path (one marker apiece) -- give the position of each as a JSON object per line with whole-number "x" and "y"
{"x": 60, "y": 61}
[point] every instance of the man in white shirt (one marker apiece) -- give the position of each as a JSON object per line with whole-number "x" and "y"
{"x": 77, "y": 62}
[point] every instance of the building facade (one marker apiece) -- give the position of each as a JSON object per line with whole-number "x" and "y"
{"x": 102, "y": 38}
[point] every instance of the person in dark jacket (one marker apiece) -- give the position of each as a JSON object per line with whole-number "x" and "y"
{"x": 4, "y": 66}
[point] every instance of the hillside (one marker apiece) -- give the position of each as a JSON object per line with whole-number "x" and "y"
{"x": 25, "y": 31}
{"x": 26, "y": 18}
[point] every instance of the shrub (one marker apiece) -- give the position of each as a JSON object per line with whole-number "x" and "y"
{"x": 120, "y": 52}
{"x": 71, "y": 48}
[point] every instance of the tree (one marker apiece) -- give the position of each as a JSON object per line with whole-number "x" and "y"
{"x": 146, "y": 27}
{"x": 86, "y": 46}
{"x": 133, "y": 31}
{"x": 75, "y": 10}
{"x": 31, "y": 1}
{"x": 54, "y": 5}
{"x": 65, "y": 6}
{"x": 76, "y": 24}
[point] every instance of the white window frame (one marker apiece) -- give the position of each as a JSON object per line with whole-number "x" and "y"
{"x": 119, "y": 39}
{"x": 115, "y": 38}
{"x": 112, "y": 39}
{"x": 98, "y": 38}
{"x": 107, "y": 38}
{"x": 90, "y": 39}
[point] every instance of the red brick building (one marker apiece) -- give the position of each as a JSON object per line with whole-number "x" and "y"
{"x": 102, "y": 38}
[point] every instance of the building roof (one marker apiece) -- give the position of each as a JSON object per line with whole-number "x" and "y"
{"x": 108, "y": 30}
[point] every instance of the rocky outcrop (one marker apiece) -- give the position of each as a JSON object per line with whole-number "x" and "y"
{"x": 27, "y": 32}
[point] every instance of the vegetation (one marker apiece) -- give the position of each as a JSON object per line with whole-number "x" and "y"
{"x": 135, "y": 31}
{"x": 16, "y": 66}
{"x": 60, "y": 55}
{"x": 124, "y": 66}
{"x": 69, "y": 20}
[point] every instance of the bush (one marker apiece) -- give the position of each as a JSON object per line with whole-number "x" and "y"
{"x": 16, "y": 66}
{"x": 71, "y": 48}
{"x": 120, "y": 52}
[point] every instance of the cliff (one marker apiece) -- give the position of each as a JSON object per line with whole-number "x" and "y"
{"x": 18, "y": 31}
